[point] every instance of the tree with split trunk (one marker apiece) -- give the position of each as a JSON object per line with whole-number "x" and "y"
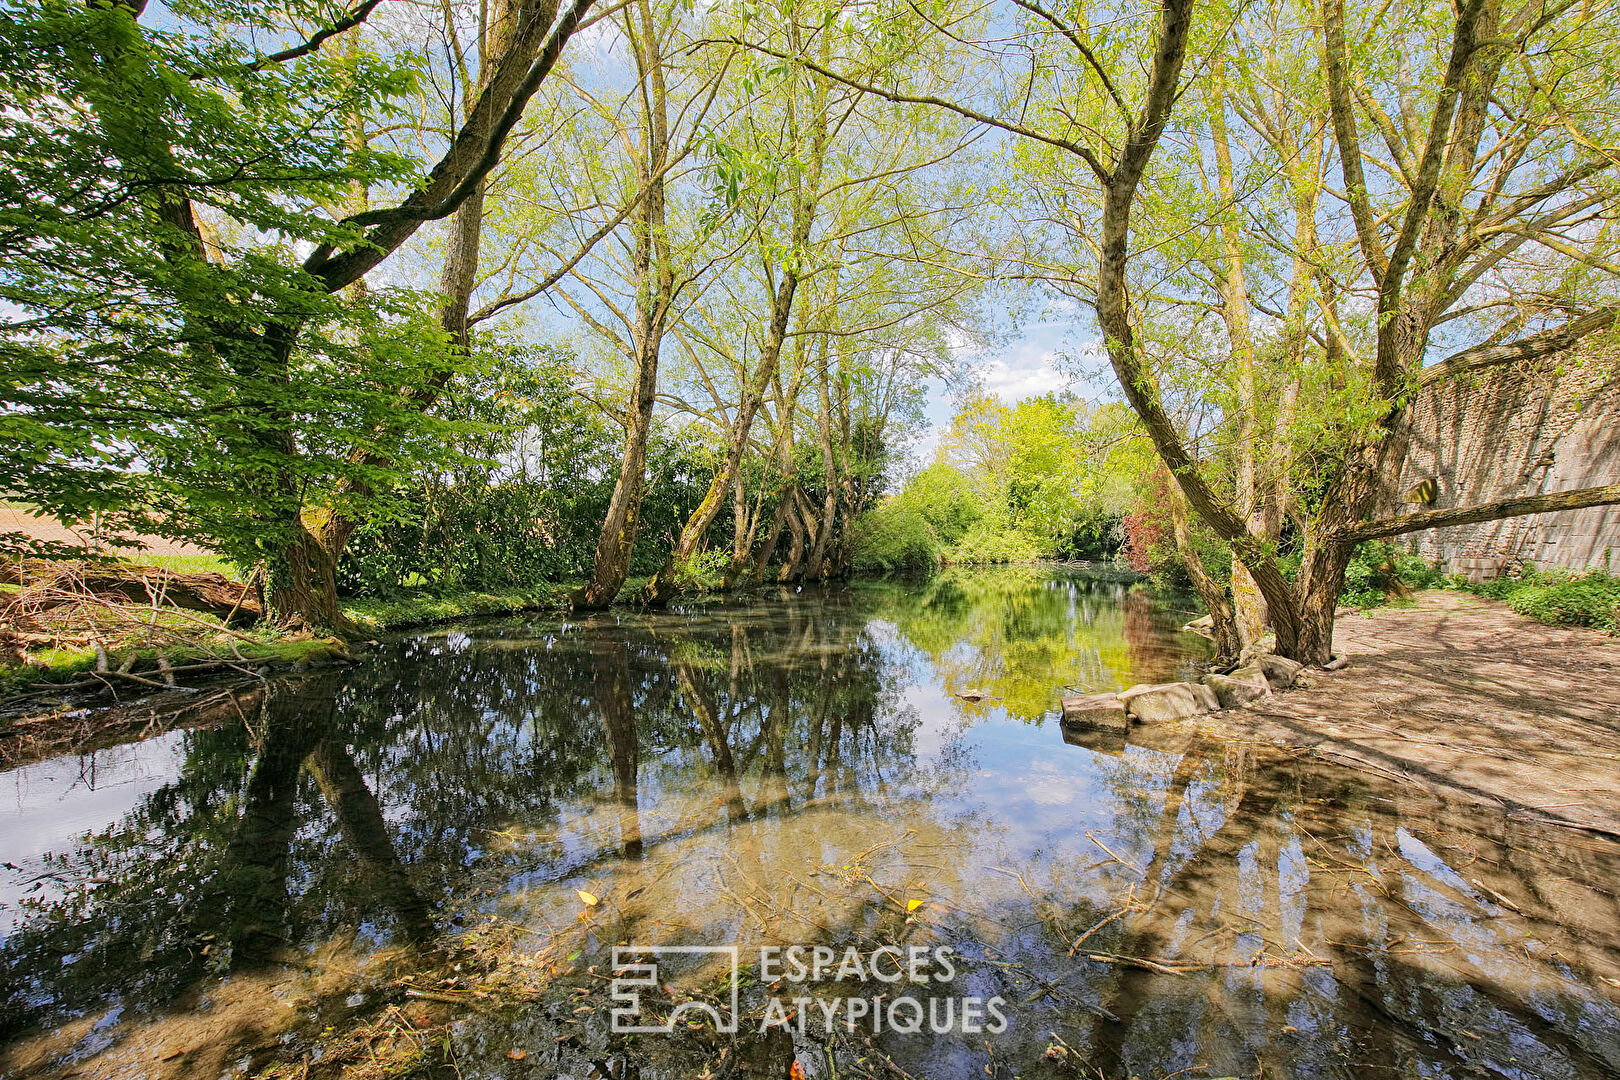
{"x": 757, "y": 169}
{"x": 1477, "y": 231}
{"x": 630, "y": 291}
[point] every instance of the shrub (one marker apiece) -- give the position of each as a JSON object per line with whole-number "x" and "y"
{"x": 1147, "y": 534}
{"x": 944, "y": 499}
{"x": 985, "y": 543}
{"x": 1150, "y": 542}
{"x": 907, "y": 534}
{"x": 895, "y": 538}
{"x": 1559, "y": 597}
{"x": 704, "y": 570}
{"x": 1380, "y": 571}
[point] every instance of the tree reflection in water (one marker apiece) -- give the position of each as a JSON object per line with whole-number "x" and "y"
{"x": 795, "y": 771}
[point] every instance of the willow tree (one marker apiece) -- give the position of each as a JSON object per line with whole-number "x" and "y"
{"x": 874, "y": 334}
{"x": 1477, "y": 221}
{"x": 1493, "y": 120}
{"x": 814, "y": 174}
{"x": 630, "y": 152}
{"x": 767, "y": 161}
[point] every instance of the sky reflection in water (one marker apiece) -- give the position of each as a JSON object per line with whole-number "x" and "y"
{"x": 796, "y": 770}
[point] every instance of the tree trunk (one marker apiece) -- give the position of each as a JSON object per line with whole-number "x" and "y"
{"x": 304, "y": 588}
{"x": 1114, "y": 319}
{"x": 796, "y": 526}
{"x": 615, "y": 544}
{"x": 1248, "y": 604}
{"x": 743, "y": 526}
{"x": 815, "y": 565}
{"x": 660, "y": 588}
{"x": 805, "y": 199}
{"x": 654, "y": 275}
{"x": 457, "y": 277}
{"x": 773, "y": 533}
{"x": 786, "y": 406}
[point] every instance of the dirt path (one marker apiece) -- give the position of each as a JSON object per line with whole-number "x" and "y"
{"x": 1466, "y": 698}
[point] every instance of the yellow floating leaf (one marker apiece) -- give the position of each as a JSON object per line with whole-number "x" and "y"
{"x": 913, "y": 905}
{"x": 588, "y": 899}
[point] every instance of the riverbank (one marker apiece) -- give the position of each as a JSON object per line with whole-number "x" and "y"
{"x": 381, "y": 616}
{"x": 1463, "y": 697}
{"x": 182, "y": 651}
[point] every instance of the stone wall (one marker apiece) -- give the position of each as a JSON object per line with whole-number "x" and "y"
{"x": 1503, "y": 433}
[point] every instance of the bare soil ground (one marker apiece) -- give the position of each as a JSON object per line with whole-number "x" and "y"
{"x": 85, "y": 535}
{"x": 1464, "y": 697}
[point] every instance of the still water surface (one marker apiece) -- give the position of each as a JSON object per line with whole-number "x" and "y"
{"x": 801, "y": 768}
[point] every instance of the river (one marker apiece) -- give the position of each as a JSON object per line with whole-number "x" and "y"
{"x": 425, "y": 862}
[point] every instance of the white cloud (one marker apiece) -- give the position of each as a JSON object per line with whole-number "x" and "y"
{"x": 1026, "y": 371}
{"x": 1050, "y": 356}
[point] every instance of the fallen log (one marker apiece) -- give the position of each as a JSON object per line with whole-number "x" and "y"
{"x": 208, "y": 592}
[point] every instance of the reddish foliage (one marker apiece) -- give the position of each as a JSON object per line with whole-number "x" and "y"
{"x": 1148, "y": 531}
{"x": 1143, "y": 533}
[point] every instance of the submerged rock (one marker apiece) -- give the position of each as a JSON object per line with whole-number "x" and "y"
{"x": 1095, "y": 710}
{"x": 1239, "y": 687}
{"x": 1169, "y": 701}
{"x": 1100, "y": 740}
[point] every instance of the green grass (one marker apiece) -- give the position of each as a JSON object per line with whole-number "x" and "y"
{"x": 68, "y": 664}
{"x": 266, "y": 644}
{"x": 1557, "y": 597}
{"x": 377, "y": 616}
{"x": 190, "y": 564}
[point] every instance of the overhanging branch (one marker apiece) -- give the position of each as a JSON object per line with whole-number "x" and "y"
{"x": 474, "y": 153}
{"x": 1558, "y": 339}
{"x": 353, "y": 19}
{"x": 1424, "y": 520}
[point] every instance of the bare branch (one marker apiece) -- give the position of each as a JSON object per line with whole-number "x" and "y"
{"x": 1085, "y": 153}
{"x": 1556, "y": 340}
{"x": 1080, "y": 47}
{"x": 1492, "y": 511}
{"x": 471, "y": 157}
{"x": 1348, "y": 138}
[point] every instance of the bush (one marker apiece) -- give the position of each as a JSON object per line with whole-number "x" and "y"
{"x": 895, "y": 538}
{"x": 944, "y": 499}
{"x": 704, "y": 570}
{"x": 1380, "y": 572}
{"x": 1150, "y": 541}
{"x": 1147, "y": 539}
{"x": 1559, "y": 597}
{"x": 985, "y": 543}
{"x": 907, "y": 535}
